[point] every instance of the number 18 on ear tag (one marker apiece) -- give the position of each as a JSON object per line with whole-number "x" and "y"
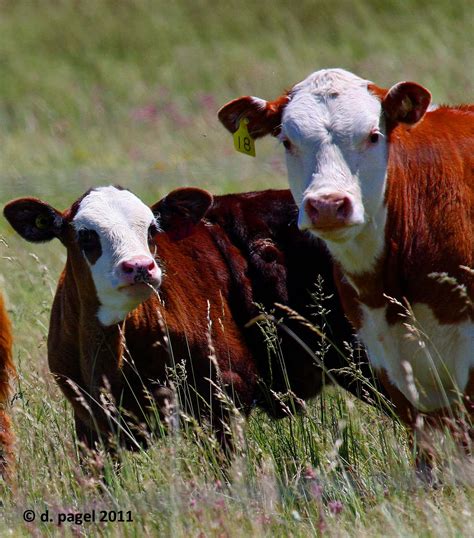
{"x": 243, "y": 142}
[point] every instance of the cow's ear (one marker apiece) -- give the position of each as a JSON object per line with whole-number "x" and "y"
{"x": 180, "y": 210}
{"x": 406, "y": 102}
{"x": 264, "y": 117}
{"x": 34, "y": 220}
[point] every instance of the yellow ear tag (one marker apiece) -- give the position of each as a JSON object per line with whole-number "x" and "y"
{"x": 243, "y": 142}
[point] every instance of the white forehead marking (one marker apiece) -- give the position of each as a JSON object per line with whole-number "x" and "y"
{"x": 330, "y": 102}
{"x": 106, "y": 208}
{"x": 330, "y": 81}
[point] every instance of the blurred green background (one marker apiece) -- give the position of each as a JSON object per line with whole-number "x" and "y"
{"x": 100, "y": 91}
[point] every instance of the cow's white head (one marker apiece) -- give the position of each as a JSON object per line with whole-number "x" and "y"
{"x": 334, "y": 127}
{"x": 110, "y": 237}
{"x": 114, "y": 232}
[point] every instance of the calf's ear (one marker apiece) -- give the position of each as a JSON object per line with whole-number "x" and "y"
{"x": 406, "y": 102}
{"x": 34, "y": 220}
{"x": 180, "y": 210}
{"x": 264, "y": 117}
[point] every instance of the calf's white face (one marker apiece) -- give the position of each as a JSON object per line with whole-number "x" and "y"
{"x": 113, "y": 228}
{"x": 111, "y": 231}
{"x": 336, "y": 154}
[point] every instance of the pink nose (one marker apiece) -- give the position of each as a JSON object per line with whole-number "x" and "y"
{"x": 139, "y": 269}
{"x": 328, "y": 210}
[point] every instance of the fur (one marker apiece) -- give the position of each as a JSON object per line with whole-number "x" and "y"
{"x": 7, "y": 373}
{"x": 410, "y": 238}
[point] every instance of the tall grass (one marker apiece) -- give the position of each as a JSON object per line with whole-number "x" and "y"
{"x": 96, "y": 92}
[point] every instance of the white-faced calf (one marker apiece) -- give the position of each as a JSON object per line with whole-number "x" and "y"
{"x": 109, "y": 330}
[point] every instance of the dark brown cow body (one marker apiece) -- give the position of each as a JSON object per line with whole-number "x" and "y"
{"x": 283, "y": 266}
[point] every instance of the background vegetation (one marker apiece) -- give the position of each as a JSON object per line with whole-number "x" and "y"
{"x": 104, "y": 91}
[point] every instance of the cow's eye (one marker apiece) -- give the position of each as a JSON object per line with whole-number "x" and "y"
{"x": 88, "y": 239}
{"x": 152, "y": 231}
{"x": 287, "y": 144}
{"x": 89, "y": 243}
{"x": 374, "y": 137}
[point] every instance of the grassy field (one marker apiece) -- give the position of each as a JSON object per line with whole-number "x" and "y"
{"x": 98, "y": 92}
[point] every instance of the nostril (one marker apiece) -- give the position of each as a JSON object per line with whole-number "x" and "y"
{"x": 128, "y": 267}
{"x": 312, "y": 207}
{"x": 344, "y": 207}
{"x": 151, "y": 266}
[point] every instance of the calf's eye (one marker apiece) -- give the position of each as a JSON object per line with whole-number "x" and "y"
{"x": 88, "y": 239}
{"x": 152, "y": 231}
{"x": 287, "y": 144}
{"x": 89, "y": 243}
{"x": 374, "y": 137}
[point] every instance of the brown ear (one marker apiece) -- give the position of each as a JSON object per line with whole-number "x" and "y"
{"x": 180, "y": 210}
{"x": 406, "y": 102}
{"x": 264, "y": 116}
{"x": 34, "y": 220}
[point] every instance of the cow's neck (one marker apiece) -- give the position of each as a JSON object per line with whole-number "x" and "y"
{"x": 101, "y": 348}
{"x": 361, "y": 259}
{"x": 361, "y": 254}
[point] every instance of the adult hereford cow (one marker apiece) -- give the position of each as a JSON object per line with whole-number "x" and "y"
{"x": 106, "y": 324}
{"x": 7, "y": 372}
{"x": 387, "y": 182}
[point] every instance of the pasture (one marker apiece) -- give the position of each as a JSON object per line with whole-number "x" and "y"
{"x": 104, "y": 92}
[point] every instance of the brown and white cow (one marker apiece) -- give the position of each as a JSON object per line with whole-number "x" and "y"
{"x": 387, "y": 182}
{"x": 7, "y": 373}
{"x": 109, "y": 331}
{"x": 209, "y": 274}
